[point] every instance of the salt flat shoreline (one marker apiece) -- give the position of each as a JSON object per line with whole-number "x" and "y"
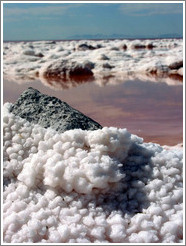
{"x": 102, "y": 60}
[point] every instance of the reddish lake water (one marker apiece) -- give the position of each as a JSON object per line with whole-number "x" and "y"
{"x": 150, "y": 110}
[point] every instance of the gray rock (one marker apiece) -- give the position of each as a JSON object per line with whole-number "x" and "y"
{"x": 51, "y": 112}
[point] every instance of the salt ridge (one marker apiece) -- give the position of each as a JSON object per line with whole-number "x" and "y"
{"x": 113, "y": 60}
{"x": 88, "y": 187}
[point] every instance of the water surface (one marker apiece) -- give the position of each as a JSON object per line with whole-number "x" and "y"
{"x": 151, "y": 110}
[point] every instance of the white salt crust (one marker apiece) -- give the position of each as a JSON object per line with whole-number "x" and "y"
{"x": 105, "y": 186}
{"x": 27, "y": 61}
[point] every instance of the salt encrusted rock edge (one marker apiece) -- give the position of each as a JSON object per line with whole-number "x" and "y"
{"x": 145, "y": 206}
{"x": 51, "y": 112}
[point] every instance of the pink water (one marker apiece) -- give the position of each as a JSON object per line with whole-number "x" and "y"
{"x": 151, "y": 110}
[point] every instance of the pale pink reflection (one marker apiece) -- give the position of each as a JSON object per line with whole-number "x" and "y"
{"x": 153, "y": 111}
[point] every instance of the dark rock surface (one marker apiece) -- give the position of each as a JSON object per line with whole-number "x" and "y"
{"x": 138, "y": 46}
{"x": 176, "y": 65}
{"x": 88, "y": 47}
{"x": 51, "y": 112}
{"x": 124, "y": 47}
{"x": 150, "y": 46}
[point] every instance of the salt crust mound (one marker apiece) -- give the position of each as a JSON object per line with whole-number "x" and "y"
{"x": 105, "y": 186}
{"x": 120, "y": 59}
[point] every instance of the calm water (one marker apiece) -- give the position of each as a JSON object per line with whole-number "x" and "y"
{"x": 153, "y": 111}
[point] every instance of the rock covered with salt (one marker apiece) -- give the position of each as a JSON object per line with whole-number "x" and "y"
{"x": 102, "y": 186}
{"x": 68, "y": 70}
{"x": 51, "y": 112}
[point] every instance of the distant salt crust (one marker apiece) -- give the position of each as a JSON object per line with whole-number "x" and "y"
{"x": 103, "y": 186}
{"x": 111, "y": 61}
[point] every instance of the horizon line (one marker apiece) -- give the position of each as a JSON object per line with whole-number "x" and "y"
{"x": 77, "y": 39}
